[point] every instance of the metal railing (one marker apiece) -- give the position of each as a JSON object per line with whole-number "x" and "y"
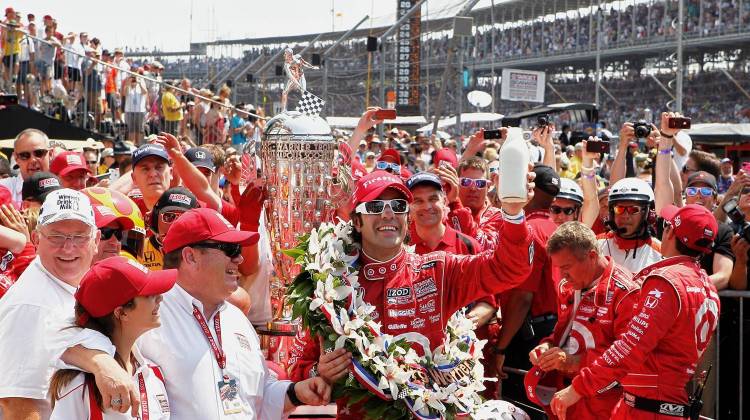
{"x": 741, "y": 295}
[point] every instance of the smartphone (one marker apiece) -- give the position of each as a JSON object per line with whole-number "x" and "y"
{"x": 8, "y": 100}
{"x": 597, "y": 146}
{"x": 491, "y": 134}
{"x": 679, "y": 122}
{"x": 385, "y": 114}
{"x": 102, "y": 176}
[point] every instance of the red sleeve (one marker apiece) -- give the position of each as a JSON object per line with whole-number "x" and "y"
{"x": 468, "y": 278}
{"x": 487, "y": 234}
{"x": 230, "y": 212}
{"x": 303, "y": 357}
{"x": 654, "y": 316}
{"x": 235, "y": 192}
{"x": 23, "y": 259}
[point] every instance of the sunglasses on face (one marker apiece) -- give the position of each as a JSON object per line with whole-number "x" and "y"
{"x": 38, "y": 153}
{"x": 479, "y": 183}
{"x": 170, "y": 216}
{"x": 230, "y": 250}
{"x": 385, "y": 166}
{"x": 704, "y": 191}
{"x": 620, "y": 209}
{"x": 107, "y": 233}
{"x": 398, "y": 206}
{"x": 92, "y": 162}
{"x": 566, "y": 210}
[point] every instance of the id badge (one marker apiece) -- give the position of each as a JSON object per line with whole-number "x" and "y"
{"x": 230, "y": 399}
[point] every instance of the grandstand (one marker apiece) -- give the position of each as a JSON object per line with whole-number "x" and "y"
{"x": 636, "y": 43}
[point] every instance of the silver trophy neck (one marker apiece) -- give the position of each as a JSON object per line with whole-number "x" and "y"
{"x": 294, "y": 125}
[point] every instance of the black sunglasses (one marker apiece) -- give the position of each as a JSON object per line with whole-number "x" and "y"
{"x": 567, "y": 210}
{"x": 230, "y": 250}
{"x": 38, "y": 153}
{"x": 108, "y": 232}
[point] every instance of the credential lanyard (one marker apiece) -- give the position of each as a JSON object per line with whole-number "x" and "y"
{"x": 221, "y": 357}
{"x": 144, "y": 396}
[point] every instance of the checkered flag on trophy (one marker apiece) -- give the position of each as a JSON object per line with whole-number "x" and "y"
{"x": 310, "y": 104}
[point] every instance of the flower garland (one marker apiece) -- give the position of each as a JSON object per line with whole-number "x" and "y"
{"x": 442, "y": 383}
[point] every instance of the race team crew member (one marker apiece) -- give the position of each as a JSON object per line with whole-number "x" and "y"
{"x": 210, "y": 354}
{"x": 675, "y": 317}
{"x": 72, "y": 170}
{"x": 410, "y": 292}
{"x": 109, "y": 221}
{"x": 171, "y": 205}
{"x": 16, "y": 248}
{"x": 566, "y": 207}
{"x": 630, "y": 243}
{"x": 595, "y": 305}
{"x": 428, "y": 232}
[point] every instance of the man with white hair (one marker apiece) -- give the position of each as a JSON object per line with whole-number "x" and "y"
{"x": 31, "y": 153}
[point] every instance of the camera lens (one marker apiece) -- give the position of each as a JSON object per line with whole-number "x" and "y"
{"x": 642, "y": 131}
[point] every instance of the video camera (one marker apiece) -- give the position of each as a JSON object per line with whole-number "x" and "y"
{"x": 738, "y": 217}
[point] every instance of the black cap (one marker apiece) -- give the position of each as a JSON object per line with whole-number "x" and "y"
{"x": 147, "y": 150}
{"x": 120, "y": 148}
{"x": 547, "y": 179}
{"x": 173, "y": 197}
{"x": 702, "y": 177}
{"x": 424, "y": 178}
{"x": 201, "y": 158}
{"x": 38, "y": 185}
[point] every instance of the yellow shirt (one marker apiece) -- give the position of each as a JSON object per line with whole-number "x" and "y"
{"x": 13, "y": 38}
{"x": 575, "y": 165}
{"x": 169, "y": 101}
{"x": 152, "y": 257}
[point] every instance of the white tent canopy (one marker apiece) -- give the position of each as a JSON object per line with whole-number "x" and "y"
{"x": 717, "y": 129}
{"x": 467, "y": 117}
{"x": 351, "y": 122}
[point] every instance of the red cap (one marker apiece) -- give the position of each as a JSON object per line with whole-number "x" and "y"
{"x": 9, "y": 10}
{"x": 47, "y": 17}
{"x": 390, "y": 153}
{"x": 370, "y": 186}
{"x": 5, "y": 196}
{"x": 114, "y": 281}
{"x": 693, "y": 225}
{"x": 202, "y": 224}
{"x": 541, "y": 386}
{"x": 67, "y": 162}
{"x": 446, "y": 154}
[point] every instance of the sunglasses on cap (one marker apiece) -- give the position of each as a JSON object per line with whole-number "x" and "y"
{"x": 468, "y": 182}
{"x": 38, "y": 153}
{"x": 566, "y": 210}
{"x": 107, "y": 233}
{"x": 170, "y": 216}
{"x": 397, "y": 205}
{"x": 230, "y": 250}
{"x": 396, "y": 169}
{"x": 620, "y": 209}
{"x": 704, "y": 191}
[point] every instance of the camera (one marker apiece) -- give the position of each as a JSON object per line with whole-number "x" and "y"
{"x": 542, "y": 120}
{"x": 642, "y": 129}
{"x": 738, "y": 217}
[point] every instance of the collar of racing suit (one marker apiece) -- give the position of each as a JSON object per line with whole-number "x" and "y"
{"x": 679, "y": 259}
{"x": 378, "y": 270}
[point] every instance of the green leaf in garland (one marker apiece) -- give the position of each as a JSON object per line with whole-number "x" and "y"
{"x": 293, "y": 252}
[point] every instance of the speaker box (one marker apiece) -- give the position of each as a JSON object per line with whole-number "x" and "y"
{"x": 372, "y": 44}
{"x": 249, "y": 78}
{"x": 279, "y": 70}
{"x": 462, "y": 25}
{"x": 316, "y": 59}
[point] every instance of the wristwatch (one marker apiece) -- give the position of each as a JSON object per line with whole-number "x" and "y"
{"x": 498, "y": 350}
{"x": 292, "y": 394}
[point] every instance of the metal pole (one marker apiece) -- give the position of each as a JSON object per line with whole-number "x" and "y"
{"x": 492, "y": 53}
{"x": 598, "y": 54}
{"x": 661, "y": 85}
{"x": 552, "y": 88}
{"x": 733, "y": 80}
{"x": 330, "y": 49}
{"x": 460, "y": 85}
{"x": 680, "y": 69}
{"x": 382, "y": 54}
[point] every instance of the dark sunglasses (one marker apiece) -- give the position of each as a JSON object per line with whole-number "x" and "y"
{"x": 396, "y": 169}
{"x": 230, "y": 250}
{"x": 38, "y": 153}
{"x": 619, "y": 209}
{"x": 567, "y": 210}
{"x": 704, "y": 191}
{"x": 107, "y": 233}
{"x": 92, "y": 162}
{"x": 170, "y": 216}
{"x": 398, "y": 205}
{"x": 468, "y": 182}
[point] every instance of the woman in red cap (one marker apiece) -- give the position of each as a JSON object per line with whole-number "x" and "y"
{"x": 119, "y": 298}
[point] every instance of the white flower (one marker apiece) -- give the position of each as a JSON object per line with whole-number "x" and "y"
{"x": 429, "y": 399}
{"x": 350, "y": 328}
{"x": 326, "y": 294}
{"x": 313, "y": 245}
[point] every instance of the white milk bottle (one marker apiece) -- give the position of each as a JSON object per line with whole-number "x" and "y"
{"x": 514, "y": 164}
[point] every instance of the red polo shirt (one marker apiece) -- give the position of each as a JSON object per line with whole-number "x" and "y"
{"x": 453, "y": 242}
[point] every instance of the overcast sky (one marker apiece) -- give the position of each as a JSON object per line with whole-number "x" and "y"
{"x": 167, "y": 24}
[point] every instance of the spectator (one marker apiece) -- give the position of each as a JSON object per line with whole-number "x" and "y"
{"x": 26, "y": 59}
{"x": 36, "y": 187}
{"x": 238, "y": 127}
{"x": 172, "y": 110}
{"x": 31, "y": 153}
{"x": 72, "y": 170}
{"x": 135, "y": 96}
{"x": 92, "y": 161}
{"x": 727, "y": 175}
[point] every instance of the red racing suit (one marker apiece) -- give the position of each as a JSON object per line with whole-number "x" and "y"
{"x": 13, "y": 265}
{"x": 485, "y": 227}
{"x": 419, "y": 293}
{"x": 602, "y": 315}
{"x": 674, "y": 318}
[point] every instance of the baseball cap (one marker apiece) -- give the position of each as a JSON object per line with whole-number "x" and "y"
{"x": 179, "y": 197}
{"x": 107, "y": 152}
{"x": 120, "y": 148}
{"x": 541, "y": 386}
{"x": 375, "y": 140}
{"x": 201, "y": 158}
{"x": 38, "y": 185}
{"x": 446, "y": 154}
{"x": 67, "y": 162}
{"x": 104, "y": 215}
{"x": 115, "y": 281}
{"x": 395, "y": 131}
{"x": 726, "y": 160}
{"x": 66, "y": 204}
{"x": 148, "y": 150}
{"x": 422, "y": 178}
{"x": 9, "y": 10}
{"x": 547, "y": 179}
{"x": 202, "y": 224}
{"x": 391, "y": 153}
{"x": 362, "y": 143}
{"x": 693, "y": 225}
{"x": 702, "y": 177}
{"x": 370, "y": 186}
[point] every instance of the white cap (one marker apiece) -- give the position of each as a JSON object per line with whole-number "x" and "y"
{"x": 394, "y": 130}
{"x": 66, "y": 204}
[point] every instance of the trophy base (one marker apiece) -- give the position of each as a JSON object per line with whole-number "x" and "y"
{"x": 276, "y": 338}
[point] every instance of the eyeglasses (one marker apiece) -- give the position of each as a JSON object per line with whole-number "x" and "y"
{"x": 620, "y": 209}
{"x": 567, "y": 210}
{"x": 92, "y": 162}
{"x": 229, "y": 249}
{"x": 704, "y": 191}
{"x": 107, "y": 233}
{"x": 170, "y": 216}
{"x": 38, "y": 153}
{"x": 479, "y": 183}
{"x": 398, "y": 206}
{"x": 396, "y": 169}
{"x": 60, "y": 240}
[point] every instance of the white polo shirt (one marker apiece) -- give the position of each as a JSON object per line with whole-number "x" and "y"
{"x": 75, "y": 401}
{"x": 190, "y": 368}
{"x": 31, "y": 312}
